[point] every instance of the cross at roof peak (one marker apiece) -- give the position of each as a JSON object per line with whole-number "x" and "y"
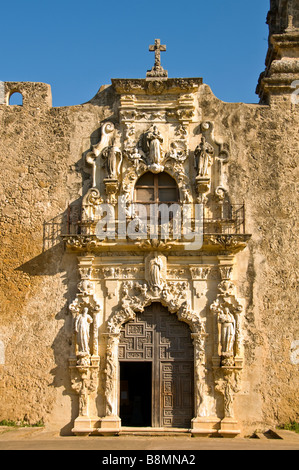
{"x": 157, "y": 71}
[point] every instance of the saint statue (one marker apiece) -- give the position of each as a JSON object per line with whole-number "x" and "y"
{"x": 228, "y": 330}
{"x": 202, "y": 154}
{"x": 154, "y": 142}
{"x": 112, "y": 155}
{"x": 82, "y": 326}
{"x": 155, "y": 274}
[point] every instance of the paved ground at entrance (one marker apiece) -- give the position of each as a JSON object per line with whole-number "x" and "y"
{"x": 42, "y": 439}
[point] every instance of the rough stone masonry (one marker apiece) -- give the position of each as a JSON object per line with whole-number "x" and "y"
{"x": 75, "y": 307}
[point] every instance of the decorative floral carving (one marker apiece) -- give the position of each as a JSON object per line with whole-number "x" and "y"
{"x": 199, "y": 341}
{"x": 91, "y": 201}
{"x": 111, "y": 374}
{"x": 156, "y": 245}
{"x": 136, "y": 296}
{"x": 85, "y": 381}
{"x": 227, "y": 382}
{"x": 227, "y": 373}
{"x": 200, "y": 272}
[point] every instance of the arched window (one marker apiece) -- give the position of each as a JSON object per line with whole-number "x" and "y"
{"x": 158, "y": 188}
{"x": 16, "y": 99}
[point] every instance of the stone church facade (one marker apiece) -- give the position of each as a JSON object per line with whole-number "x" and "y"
{"x": 149, "y": 274}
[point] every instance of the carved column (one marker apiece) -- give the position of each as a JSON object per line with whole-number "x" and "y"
{"x": 227, "y": 381}
{"x": 85, "y": 382}
{"x": 202, "y": 424}
{"x": 110, "y": 424}
{"x": 227, "y": 360}
{"x": 84, "y": 361}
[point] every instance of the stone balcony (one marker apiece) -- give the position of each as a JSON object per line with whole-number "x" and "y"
{"x": 220, "y": 229}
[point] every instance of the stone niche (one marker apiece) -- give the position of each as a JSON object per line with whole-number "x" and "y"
{"x": 157, "y": 149}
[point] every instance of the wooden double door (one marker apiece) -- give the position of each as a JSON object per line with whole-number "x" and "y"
{"x": 156, "y": 357}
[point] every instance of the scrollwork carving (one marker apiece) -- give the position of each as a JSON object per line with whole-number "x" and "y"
{"x": 136, "y": 296}
{"x": 107, "y": 131}
{"x": 111, "y": 374}
{"x": 85, "y": 381}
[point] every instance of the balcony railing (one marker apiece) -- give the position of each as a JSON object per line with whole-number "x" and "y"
{"x": 224, "y": 218}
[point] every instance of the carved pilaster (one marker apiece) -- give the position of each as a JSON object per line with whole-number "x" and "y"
{"x": 85, "y": 381}
{"x": 227, "y": 358}
{"x": 110, "y": 424}
{"x": 203, "y": 424}
{"x": 227, "y": 380}
{"x": 84, "y": 361}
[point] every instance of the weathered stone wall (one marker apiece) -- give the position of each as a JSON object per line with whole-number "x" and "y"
{"x": 263, "y": 172}
{"x": 42, "y": 172}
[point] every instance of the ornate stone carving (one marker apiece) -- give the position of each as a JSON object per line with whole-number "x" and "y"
{"x": 199, "y": 341}
{"x": 82, "y": 327}
{"x": 85, "y": 311}
{"x": 156, "y": 245}
{"x": 113, "y": 157}
{"x": 155, "y": 271}
{"x": 227, "y": 310}
{"x": 111, "y": 374}
{"x": 203, "y": 160}
{"x": 154, "y": 141}
{"x": 91, "y": 201}
{"x": 227, "y": 242}
{"x": 228, "y": 384}
{"x": 157, "y": 71}
{"x": 143, "y": 86}
{"x": 136, "y": 296}
{"x": 227, "y": 359}
{"x": 84, "y": 380}
{"x": 107, "y": 130}
{"x": 200, "y": 272}
{"x": 112, "y": 186}
{"x": 158, "y": 127}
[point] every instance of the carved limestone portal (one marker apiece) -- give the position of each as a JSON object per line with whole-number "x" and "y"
{"x": 157, "y": 297}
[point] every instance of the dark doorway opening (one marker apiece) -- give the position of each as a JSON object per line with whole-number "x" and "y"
{"x": 136, "y": 394}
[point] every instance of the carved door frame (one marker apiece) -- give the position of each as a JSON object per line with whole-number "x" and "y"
{"x": 131, "y": 305}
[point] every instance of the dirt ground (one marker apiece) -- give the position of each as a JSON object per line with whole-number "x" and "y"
{"x": 146, "y": 449}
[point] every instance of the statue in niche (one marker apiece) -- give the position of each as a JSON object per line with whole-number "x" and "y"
{"x": 82, "y": 327}
{"x": 228, "y": 331}
{"x": 155, "y": 273}
{"x": 137, "y": 157}
{"x": 113, "y": 156}
{"x": 202, "y": 154}
{"x": 154, "y": 141}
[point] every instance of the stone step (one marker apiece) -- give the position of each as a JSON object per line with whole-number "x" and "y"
{"x": 148, "y": 431}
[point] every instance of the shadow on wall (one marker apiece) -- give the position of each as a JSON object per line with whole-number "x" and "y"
{"x": 54, "y": 261}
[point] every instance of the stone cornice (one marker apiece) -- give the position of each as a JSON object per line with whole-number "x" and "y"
{"x": 212, "y": 244}
{"x": 156, "y": 86}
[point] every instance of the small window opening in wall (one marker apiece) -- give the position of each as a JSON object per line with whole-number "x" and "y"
{"x": 16, "y": 99}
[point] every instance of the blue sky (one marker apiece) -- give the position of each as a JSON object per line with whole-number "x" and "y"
{"x": 77, "y": 46}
